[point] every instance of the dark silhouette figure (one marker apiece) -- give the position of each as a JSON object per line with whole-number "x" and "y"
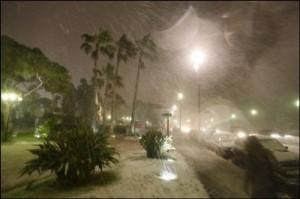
{"x": 259, "y": 170}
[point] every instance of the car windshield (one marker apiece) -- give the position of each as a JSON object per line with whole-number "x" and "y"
{"x": 272, "y": 145}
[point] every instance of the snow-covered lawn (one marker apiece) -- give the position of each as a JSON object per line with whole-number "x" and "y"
{"x": 13, "y": 157}
{"x": 134, "y": 176}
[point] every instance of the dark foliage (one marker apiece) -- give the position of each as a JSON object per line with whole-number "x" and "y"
{"x": 73, "y": 152}
{"x": 152, "y": 141}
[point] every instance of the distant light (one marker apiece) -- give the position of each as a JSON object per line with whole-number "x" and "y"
{"x": 233, "y": 116}
{"x": 275, "y": 135}
{"x": 241, "y": 134}
{"x": 148, "y": 123}
{"x": 211, "y": 119}
{"x": 180, "y": 96}
{"x": 253, "y": 112}
{"x": 253, "y": 134}
{"x": 128, "y": 118}
{"x": 113, "y": 136}
{"x": 297, "y": 103}
{"x": 203, "y": 129}
{"x": 174, "y": 107}
{"x": 186, "y": 129}
{"x": 218, "y": 131}
{"x": 108, "y": 117}
{"x": 37, "y": 135}
{"x": 10, "y": 96}
{"x": 188, "y": 120}
{"x": 168, "y": 175}
{"x": 288, "y": 136}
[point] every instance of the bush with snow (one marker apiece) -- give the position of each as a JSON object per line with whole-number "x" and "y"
{"x": 153, "y": 142}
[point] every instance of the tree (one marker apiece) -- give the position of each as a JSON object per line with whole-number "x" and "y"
{"x": 146, "y": 49}
{"x": 125, "y": 50}
{"x": 94, "y": 45}
{"x": 85, "y": 101}
{"x": 26, "y": 70}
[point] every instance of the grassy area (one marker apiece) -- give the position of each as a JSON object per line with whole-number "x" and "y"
{"x": 48, "y": 188}
{"x": 13, "y": 157}
{"x": 25, "y": 137}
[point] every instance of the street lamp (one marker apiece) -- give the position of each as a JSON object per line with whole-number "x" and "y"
{"x": 233, "y": 116}
{"x": 297, "y": 103}
{"x": 8, "y": 99}
{"x": 197, "y": 58}
{"x": 253, "y": 112}
{"x": 180, "y": 97}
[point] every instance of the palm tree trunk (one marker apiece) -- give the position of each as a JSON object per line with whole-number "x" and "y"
{"x": 97, "y": 101}
{"x": 114, "y": 98}
{"x": 104, "y": 103}
{"x": 135, "y": 95}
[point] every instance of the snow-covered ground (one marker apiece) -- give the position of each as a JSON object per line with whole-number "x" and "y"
{"x": 135, "y": 176}
{"x": 139, "y": 176}
{"x": 221, "y": 178}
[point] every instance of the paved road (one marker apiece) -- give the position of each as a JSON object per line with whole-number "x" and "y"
{"x": 221, "y": 178}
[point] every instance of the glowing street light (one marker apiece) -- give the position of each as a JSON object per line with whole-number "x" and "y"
{"x": 297, "y": 103}
{"x": 241, "y": 134}
{"x": 253, "y": 112}
{"x": 180, "y": 96}
{"x": 233, "y": 116}
{"x": 197, "y": 58}
{"x": 10, "y": 97}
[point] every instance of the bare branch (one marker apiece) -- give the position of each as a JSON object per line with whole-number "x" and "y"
{"x": 37, "y": 87}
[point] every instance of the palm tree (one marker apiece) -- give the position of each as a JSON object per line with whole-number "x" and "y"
{"x": 94, "y": 45}
{"x": 146, "y": 49}
{"x": 125, "y": 50}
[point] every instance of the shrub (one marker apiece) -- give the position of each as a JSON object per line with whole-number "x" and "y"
{"x": 49, "y": 126}
{"x": 153, "y": 141}
{"x": 73, "y": 153}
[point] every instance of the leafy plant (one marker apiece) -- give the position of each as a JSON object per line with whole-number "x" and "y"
{"x": 73, "y": 154}
{"x": 153, "y": 142}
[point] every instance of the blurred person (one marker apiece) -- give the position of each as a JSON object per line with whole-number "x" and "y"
{"x": 260, "y": 177}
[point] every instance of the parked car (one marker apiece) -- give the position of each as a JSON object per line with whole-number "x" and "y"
{"x": 286, "y": 162}
{"x": 221, "y": 142}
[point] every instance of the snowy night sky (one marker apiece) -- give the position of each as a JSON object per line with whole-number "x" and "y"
{"x": 252, "y": 48}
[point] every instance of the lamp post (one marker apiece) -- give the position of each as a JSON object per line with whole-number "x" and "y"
{"x": 232, "y": 117}
{"x": 180, "y": 97}
{"x": 167, "y": 116}
{"x": 197, "y": 58}
{"x": 8, "y": 99}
